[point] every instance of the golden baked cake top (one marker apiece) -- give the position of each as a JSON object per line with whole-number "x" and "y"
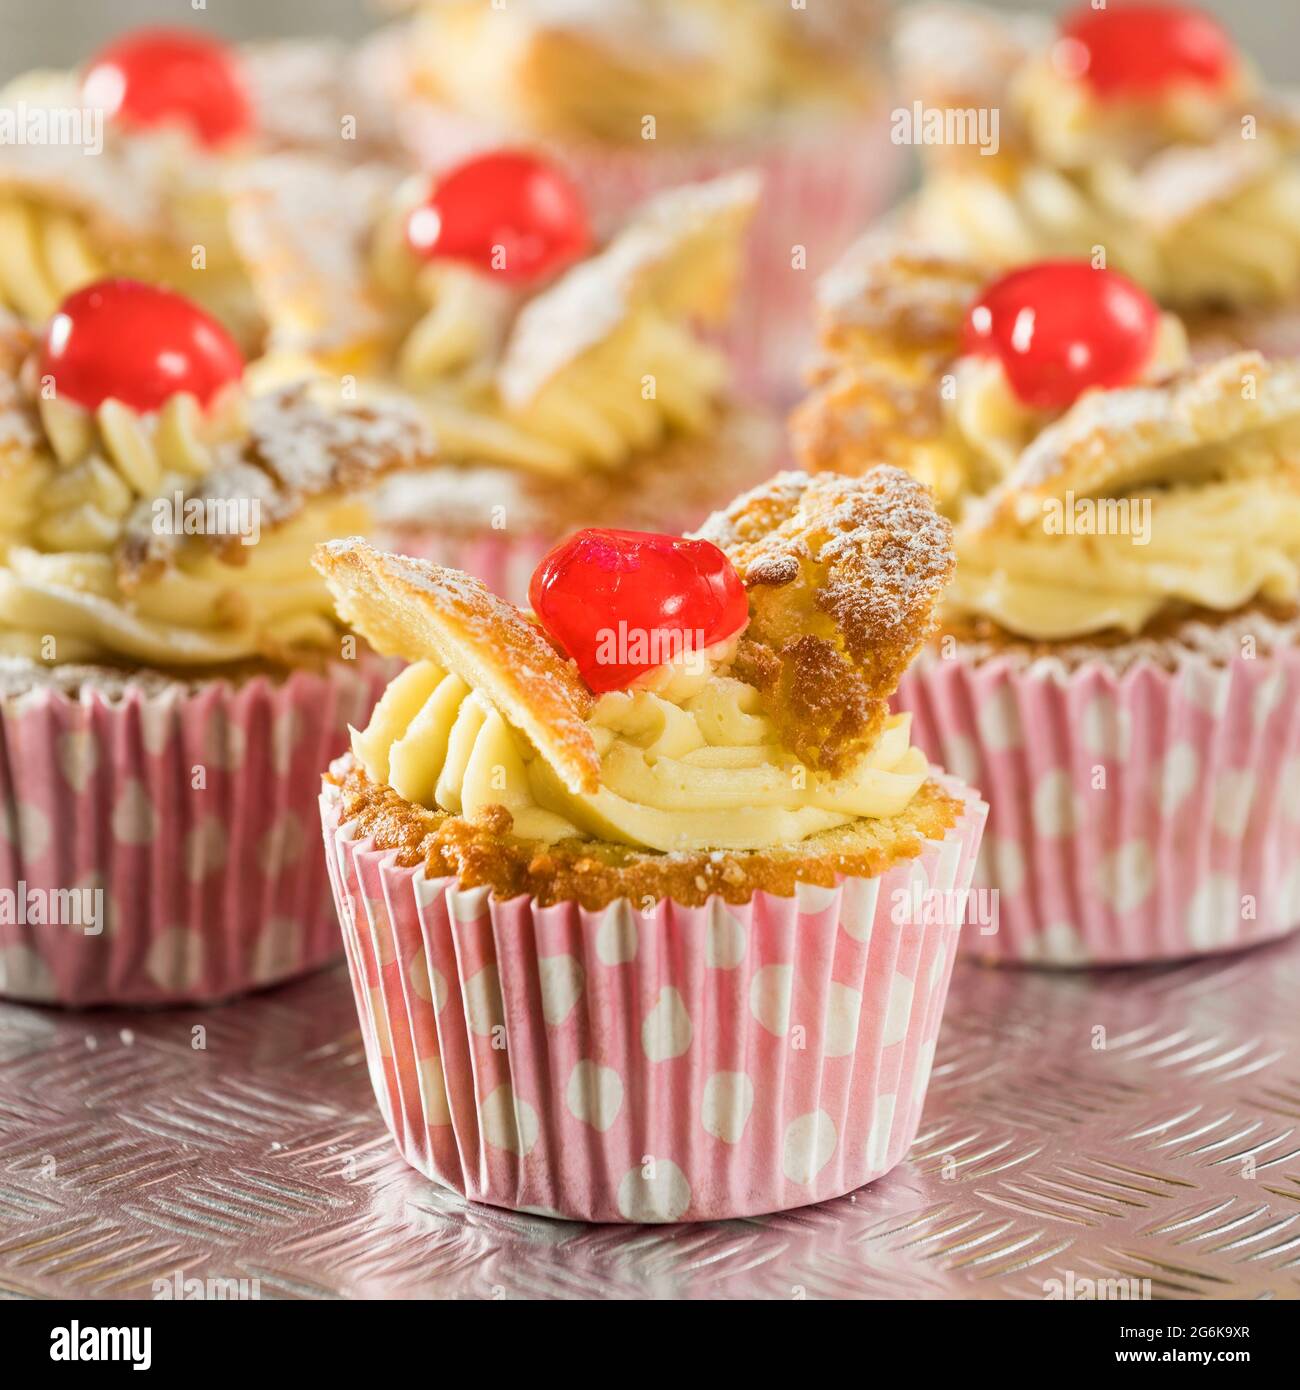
{"x": 674, "y": 703}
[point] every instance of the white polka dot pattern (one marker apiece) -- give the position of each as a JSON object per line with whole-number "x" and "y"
{"x": 173, "y": 804}
{"x": 561, "y": 980}
{"x": 616, "y": 941}
{"x": 769, "y": 997}
{"x": 657, "y": 1191}
{"x": 1137, "y": 814}
{"x": 666, "y": 1032}
{"x": 684, "y": 1064}
{"x": 725, "y": 948}
{"x": 728, "y": 1099}
{"x": 134, "y": 820}
{"x": 809, "y": 1143}
{"x": 509, "y": 1123}
{"x": 78, "y": 754}
{"x": 594, "y": 1095}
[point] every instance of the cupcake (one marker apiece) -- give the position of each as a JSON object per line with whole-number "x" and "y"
{"x": 902, "y": 376}
{"x": 648, "y": 901}
{"x": 1118, "y": 661}
{"x": 121, "y": 168}
{"x": 566, "y": 384}
{"x": 172, "y": 676}
{"x": 636, "y": 96}
{"x": 1131, "y": 131}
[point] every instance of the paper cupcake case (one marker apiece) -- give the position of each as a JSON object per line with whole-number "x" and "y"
{"x": 681, "y": 1064}
{"x": 823, "y": 182}
{"x": 1137, "y": 817}
{"x": 207, "y": 891}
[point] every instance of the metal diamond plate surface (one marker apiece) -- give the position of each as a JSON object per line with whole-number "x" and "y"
{"x": 1141, "y": 1124}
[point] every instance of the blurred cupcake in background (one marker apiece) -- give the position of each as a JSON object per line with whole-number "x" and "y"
{"x": 125, "y": 163}
{"x": 901, "y": 375}
{"x": 635, "y": 96}
{"x": 172, "y": 675}
{"x": 1133, "y": 131}
{"x": 568, "y": 383}
{"x": 696, "y": 874}
{"x": 1119, "y": 660}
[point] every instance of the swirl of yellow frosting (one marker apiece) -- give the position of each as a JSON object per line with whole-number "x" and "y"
{"x": 1216, "y": 547}
{"x": 1196, "y": 196}
{"x": 199, "y": 612}
{"x": 1201, "y": 509}
{"x": 1239, "y": 248}
{"x": 596, "y": 366}
{"x": 150, "y": 205}
{"x": 986, "y": 426}
{"x": 688, "y": 761}
{"x": 107, "y": 460}
{"x": 45, "y": 254}
{"x": 98, "y": 556}
{"x": 47, "y": 251}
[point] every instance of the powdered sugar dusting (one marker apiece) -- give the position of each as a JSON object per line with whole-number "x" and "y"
{"x": 589, "y": 302}
{"x": 296, "y": 449}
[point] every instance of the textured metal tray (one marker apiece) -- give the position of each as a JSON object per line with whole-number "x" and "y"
{"x": 1141, "y": 1124}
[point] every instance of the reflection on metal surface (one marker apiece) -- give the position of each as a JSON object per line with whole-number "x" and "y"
{"x": 1141, "y": 1125}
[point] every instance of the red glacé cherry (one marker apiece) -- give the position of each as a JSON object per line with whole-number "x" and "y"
{"x": 1143, "y": 49}
{"x": 1060, "y": 327}
{"x": 610, "y": 598}
{"x": 138, "y": 344}
{"x": 509, "y": 200}
{"x": 152, "y": 77}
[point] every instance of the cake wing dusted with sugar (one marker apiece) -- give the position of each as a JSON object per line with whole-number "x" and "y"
{"x": 298, "y": 449}
{"x": 891, "y": 315}
{"x": 897, "y": 296}
{"x": 1176, "y": 431}
{"x": 680, "y": 252}
{"x": 843, "y": 577}
{"x": 963, "y": 55}
{"x": 426, "y": 612}
{"x": 302, "y": 223}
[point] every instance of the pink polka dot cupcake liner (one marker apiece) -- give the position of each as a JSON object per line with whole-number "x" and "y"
{"x": 159, "y": 844}
{"x": 1146, "y": 815}
{"x": 678, "y": 1064}
{"x": 823, "y": 182}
